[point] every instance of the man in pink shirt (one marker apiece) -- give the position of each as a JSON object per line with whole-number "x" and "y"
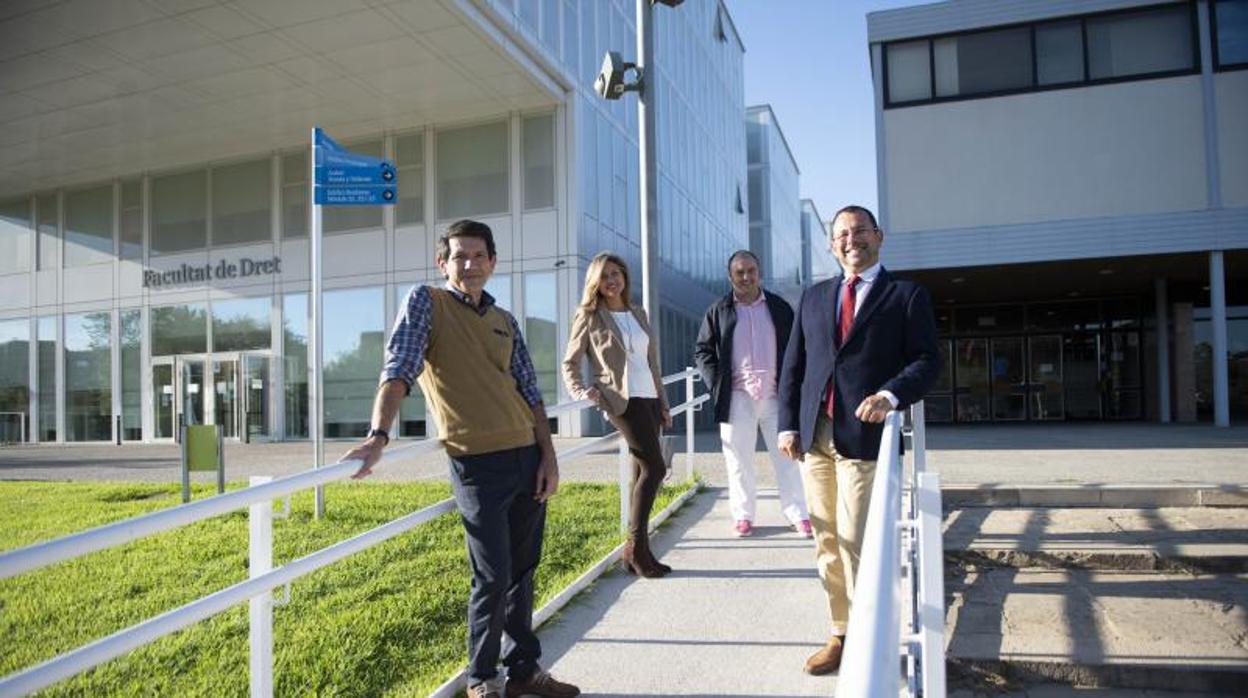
{"x": 743, "y": 336}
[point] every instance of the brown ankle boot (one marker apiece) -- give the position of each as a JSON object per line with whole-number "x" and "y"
{"x": 665, "y": 569}
{"x": 636, "y": 560}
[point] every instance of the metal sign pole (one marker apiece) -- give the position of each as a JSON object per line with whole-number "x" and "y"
{"x": 316, "y": 394}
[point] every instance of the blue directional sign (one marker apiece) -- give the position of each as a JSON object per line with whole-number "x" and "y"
{"x": 356, "y": 196}
{"x": 343, "y": 178}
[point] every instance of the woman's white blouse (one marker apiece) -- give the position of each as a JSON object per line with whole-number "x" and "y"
{"x": 638, "y": 380}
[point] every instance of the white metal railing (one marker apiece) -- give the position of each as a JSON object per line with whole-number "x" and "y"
{"x": 900, "y": 580}
{"x": 257, "y": 589}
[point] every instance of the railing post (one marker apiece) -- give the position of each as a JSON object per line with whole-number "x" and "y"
{"x": 260, "y": 611}
{"x": 689, "y": 373}
{"x": 931, "y": 587}
{"x": 625, "y": 463}
{"x": 918, "y": 437}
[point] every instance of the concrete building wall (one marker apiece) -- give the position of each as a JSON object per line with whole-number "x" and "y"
{"x": 1061, "y": 154}
{"x": 1231, "y": 95}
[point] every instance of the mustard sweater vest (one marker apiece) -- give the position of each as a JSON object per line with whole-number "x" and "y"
{"x": 467, "y": 379}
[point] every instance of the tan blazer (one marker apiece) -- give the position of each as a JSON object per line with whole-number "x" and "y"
{"x": 596, "y": 336}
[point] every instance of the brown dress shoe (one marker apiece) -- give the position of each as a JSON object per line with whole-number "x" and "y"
{"x": 827, "y": 659}
{"x": 541, "y": 684}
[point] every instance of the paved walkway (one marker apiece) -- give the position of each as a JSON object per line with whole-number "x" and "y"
{"x": 1039, "y": 454}
{"x": 737, "y": 616}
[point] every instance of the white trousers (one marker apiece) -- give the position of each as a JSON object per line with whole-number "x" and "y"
{"x": 745, "y": 417}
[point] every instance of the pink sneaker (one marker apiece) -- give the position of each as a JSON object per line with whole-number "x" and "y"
{"x": 743, "y": 528}
{"x": 803, "y": 527}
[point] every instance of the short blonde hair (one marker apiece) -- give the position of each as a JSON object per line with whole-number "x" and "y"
{"x": 593, "y": 278}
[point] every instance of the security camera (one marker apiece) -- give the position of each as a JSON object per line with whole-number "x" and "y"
{"x": 610, "y": 82}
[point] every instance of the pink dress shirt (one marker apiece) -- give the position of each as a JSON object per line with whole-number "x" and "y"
{"x": 754, "y": 350}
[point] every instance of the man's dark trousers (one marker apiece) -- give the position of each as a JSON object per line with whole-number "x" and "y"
{"x": 504, "y": 525}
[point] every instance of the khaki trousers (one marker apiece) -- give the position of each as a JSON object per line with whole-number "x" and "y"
{"x": 838, "y": 490}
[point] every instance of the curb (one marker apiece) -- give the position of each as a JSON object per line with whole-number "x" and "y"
{"x": 452, "y": 686}
{"x": 1094, "y": 495}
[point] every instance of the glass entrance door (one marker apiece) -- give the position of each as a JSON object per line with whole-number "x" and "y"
{"x": 225, "y": 402}
{"x": 193, "y": 392}
{"x": 255, "y": 392}
{"x": 1009, "y": 384}
{"x": 971, "y": 390}
{"x": 1044, "y": 374}
{"x": 164, "y": 405}
{"x": 1081, "y": 359}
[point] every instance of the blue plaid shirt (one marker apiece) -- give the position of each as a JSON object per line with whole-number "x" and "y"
{"x": 405, "y": 352}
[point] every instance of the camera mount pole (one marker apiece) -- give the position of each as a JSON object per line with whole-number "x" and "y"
{"x": 647, "y": 107}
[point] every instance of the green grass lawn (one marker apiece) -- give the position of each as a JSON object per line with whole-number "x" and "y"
{"x": 388, "y": 621}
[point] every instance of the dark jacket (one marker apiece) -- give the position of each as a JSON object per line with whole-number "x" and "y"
{"x": 891, "y": 346}
{"x": 713, "y": 351}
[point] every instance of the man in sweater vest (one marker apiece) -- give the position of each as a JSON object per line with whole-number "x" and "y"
{"x": 479, "y": 381}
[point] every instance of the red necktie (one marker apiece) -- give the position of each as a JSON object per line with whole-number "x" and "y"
{"x": 848, "y": 302}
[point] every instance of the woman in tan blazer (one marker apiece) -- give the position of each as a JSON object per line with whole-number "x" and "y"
{"x": 615, "y": 336}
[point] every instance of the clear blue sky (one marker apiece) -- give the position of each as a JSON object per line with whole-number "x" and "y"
{"x": 808, "y": 60}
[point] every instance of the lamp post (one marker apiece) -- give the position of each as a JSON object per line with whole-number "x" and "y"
{"x": 611, "y": 84}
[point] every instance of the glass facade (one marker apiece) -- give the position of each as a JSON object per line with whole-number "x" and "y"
{"x": 241, "y": 203}
{"x": 240, "y": 324}
{"x": 179, "y": 212}
{"x": 130, "y": 331}
{"x": 775, "y": 208}
{"x": 541, "y": 331}
{"x": 88, "y": 382}
{"x": 1231, "y": 29}
{"x": 132, "y": 219}
{"x": 89, "y": 226}
{"x": 179, "y": 329}
{"x": 539, "y": 162}
{"x": 295, "y": 195}
{"x": 14, "y": 380}
{"x": 47, "y": 384}
{"x": 48, "y": 215}
{"x": 295, "y": 370}
{"x": 353, "y": 355}
{"x": 409, "y": 152}
{"x": 472, "y": 171}
{"x": 15, "y": 236}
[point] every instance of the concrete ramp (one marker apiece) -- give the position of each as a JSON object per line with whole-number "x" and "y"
{"x": 737, "y": 616}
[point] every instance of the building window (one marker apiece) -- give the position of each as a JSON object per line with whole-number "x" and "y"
{"x": 132, "y": 219}
{"x": 1059, "y": 53}
{"x": 45, "y": 358}
{"x": 295, "y": 373}
{"x": 348, "y": 219}
{"x": 909, "y": 72}
{"x": 88, "y": 378}
{"x": 131, "y": 331}
{"x": 984, "y": 62}
{"x": 410, "y": 153}
{"x": 241, "y": 203}
{"x": 89, "y": 226}
{"x": 241, "y": 324}
{"x": 15, "y": 236}
{"x": 472, "y": 171}
{"x": 353, "y": 356}
{"x": 179, "y": 329}
{"x": 1123, "y": 44}
{"x": 14, "y": 380}
{"x": 48, "y": 215}
{"x": 539, "y": 162}
{"x": 1140, "y": 43}
{"x": 295, "y": 195}
{"x": 541, "y": 331}
{"x": 180, "y": 212}
{"x": 1230, "y": 22}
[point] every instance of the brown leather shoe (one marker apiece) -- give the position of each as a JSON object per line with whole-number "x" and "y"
{"x": 827, "y": 659}
{"x": 541, "y": 684}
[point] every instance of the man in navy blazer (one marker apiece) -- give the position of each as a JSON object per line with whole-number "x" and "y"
{"x": 863, "y": 344}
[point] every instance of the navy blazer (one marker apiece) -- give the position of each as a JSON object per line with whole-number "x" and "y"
{"x": 891, "y": 346}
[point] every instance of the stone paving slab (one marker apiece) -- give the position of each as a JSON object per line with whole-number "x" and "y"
{"x": 737, "y": 617}
{"x": 1202, "y": 537}
{"x": 1134, "y": 630}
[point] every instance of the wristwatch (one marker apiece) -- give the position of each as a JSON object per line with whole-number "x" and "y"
{"x": 378, "y": 432}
